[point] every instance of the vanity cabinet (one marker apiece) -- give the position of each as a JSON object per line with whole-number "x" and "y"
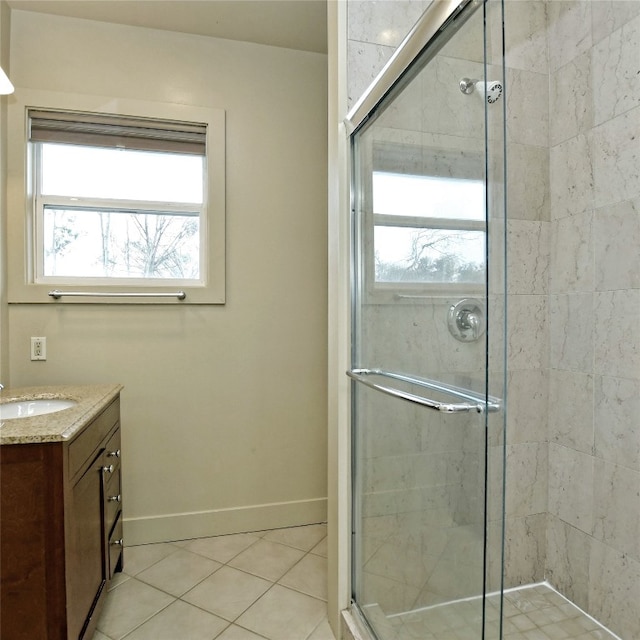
{"x": 60, "y": 531}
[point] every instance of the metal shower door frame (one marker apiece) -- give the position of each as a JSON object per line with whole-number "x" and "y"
{"x": 421, "y": 43}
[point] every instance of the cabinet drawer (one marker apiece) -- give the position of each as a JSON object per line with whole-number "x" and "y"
{"x": 111, "y": 460}
{"x": 84, "y": 445}
{"x": 113, "y": 500}
{"x": 112, "y": 449}
{"x": 115, "y": 547}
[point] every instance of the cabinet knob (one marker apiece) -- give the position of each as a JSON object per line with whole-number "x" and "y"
{"x": 108, "y": 469}
{"x": 117, "y": 498}
{"x": 114, "y": 454}
{"x": 118, "y": 543}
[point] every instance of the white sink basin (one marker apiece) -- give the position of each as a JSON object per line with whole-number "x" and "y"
{"x": 30, "y": 408}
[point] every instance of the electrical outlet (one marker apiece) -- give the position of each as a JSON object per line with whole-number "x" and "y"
{"x": 38, "y": 348}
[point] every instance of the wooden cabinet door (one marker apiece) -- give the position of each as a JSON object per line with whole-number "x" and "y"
{"x": 32, "y": 585}
{"x": 86, "y": 577}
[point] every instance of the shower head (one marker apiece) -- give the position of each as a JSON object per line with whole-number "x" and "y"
{"x": 489, "y": 91}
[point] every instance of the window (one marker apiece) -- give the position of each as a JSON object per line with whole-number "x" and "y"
{"x": 125, "y": 202}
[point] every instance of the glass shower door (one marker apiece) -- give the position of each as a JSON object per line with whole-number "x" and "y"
{"x": 428, "y": 342}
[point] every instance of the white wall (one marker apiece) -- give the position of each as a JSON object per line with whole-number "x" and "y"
{"x": 338, "y": 482}
{"x": 224, "y": 407}
{"x": 5, "y": 19}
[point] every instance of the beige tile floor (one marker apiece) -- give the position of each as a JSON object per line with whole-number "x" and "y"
{"x": 266, "y": 585}
{"x": 271, "y": 585}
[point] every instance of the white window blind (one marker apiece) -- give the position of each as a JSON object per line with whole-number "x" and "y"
{"x": 114, "y": 131}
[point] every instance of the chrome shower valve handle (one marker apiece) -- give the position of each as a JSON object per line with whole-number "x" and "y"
{"x": 466, "y": 320}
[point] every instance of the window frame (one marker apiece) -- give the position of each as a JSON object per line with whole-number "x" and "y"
{"x": 26, "y": 283}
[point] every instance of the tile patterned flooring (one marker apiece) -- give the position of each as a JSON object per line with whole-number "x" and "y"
{"x": 252, "y": 586}
{"x": 271, "y": 585}
{"x": 539, "y": 612}
{"x": 535, "y": 612}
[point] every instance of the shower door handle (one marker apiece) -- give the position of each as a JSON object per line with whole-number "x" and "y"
{"x": 477, "y": 404}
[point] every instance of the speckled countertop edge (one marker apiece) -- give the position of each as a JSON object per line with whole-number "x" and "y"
{"x": 60, "y": 425}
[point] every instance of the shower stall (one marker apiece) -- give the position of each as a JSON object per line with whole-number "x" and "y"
{"x": 495, "y": 365}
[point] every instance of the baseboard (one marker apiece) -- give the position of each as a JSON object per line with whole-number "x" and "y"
{"x": 202, "y": 524}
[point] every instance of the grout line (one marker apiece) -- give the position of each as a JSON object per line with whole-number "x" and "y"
{"x": 584, "y": 613}
{"x": 325, "y": 619}
{"x": 222, "y": 564}
{"x": 325, "y": 600}
{"x": 197, "y": 553}
{"x": 128, "y": 633}
{"x": 131, "y": 575}
{"x": 514, "y": 590}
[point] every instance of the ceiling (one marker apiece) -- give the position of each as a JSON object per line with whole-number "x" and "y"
{"x": 293, "y": 24}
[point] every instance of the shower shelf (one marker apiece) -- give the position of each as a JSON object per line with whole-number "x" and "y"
{"x": 475, "y": 401}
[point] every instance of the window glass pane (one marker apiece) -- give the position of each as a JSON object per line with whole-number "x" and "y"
{"x": 400, "y": 194}
{"x": 123, "y": 174}
{"x": 112, "y": 244}
{"x": 419, "y": 254}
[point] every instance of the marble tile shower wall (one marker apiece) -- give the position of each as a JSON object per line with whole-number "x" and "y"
{"x": 527, "y": 92}
{"x": 593, "y": 535}
{"x": 573, "y": 125}
{"x": 375, "y": 29}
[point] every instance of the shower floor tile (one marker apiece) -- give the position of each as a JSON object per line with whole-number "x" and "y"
{"x": 531, "y": 613}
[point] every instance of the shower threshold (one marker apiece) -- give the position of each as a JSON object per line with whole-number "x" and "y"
{"x": 531, "y": 612}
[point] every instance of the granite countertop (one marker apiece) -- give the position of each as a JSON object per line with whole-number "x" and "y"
{"x": 61, "y": 425}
